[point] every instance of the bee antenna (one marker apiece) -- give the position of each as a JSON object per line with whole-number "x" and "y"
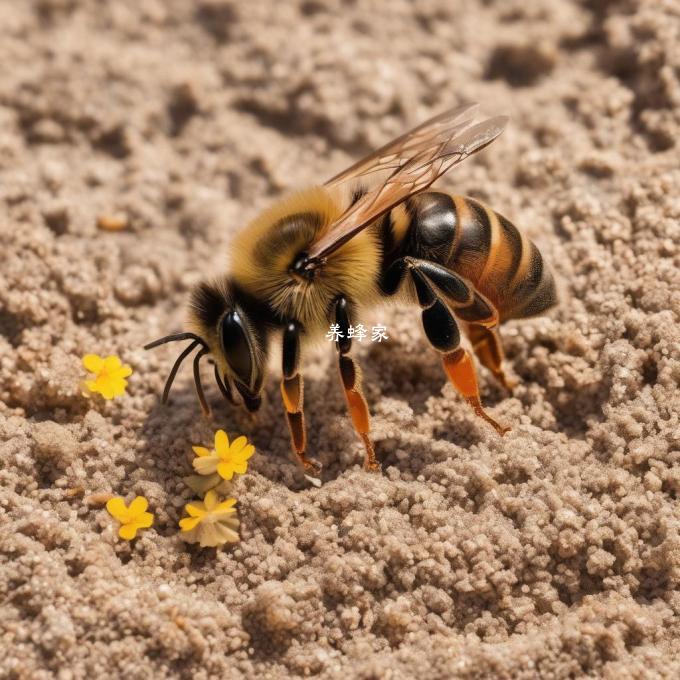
{"x": 175, "y": 368}
{"x": 197, "y": 380}
{"x": 175, "y": 338}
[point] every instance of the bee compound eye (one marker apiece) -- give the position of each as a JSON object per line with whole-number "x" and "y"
{"x": 236, "y": 346}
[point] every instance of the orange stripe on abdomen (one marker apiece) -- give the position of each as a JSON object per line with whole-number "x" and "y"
{"x": 473, "y": 239}
{"x": 499, "y": 261}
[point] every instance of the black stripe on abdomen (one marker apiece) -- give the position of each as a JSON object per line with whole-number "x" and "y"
{"x": 476, "y": 233}
{"x": 513, "y": 244}
{"x": 535, "y": 292}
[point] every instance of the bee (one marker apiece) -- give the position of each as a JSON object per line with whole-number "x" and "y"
{"x": 373, "y": 233}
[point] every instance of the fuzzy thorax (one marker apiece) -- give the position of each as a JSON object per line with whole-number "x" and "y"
{"x": 265, "y": 250}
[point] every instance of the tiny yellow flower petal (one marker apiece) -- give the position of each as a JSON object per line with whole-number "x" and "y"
{"x": 200, "y": 451}
{"x": 146, "y": 520}
{"x": 93, "y": 363}
{"x": 127, "y": 531}
{"x": 221, "y": 443}
{"x": 205, "y": 465}
{"x": 209, "y": 537}
{"x": 189, "y": 523}
{"x": 104, "y": 388}
{"x": 111, "y": 363}
{"x": 117, "y": 386}
{"x": 240, "y": 468}
{"x": 143, "y": 521}
{"x": 226, "y": 470}
{"x": 195, "y": 510}
{"x": 237, "y": 445}
{"x": 210, "y": 500}
{"x": 138, "y": 506}
{"x": 225, "y": 505}
{"x": 247, "y": 452}
{"x": 116, "y": 507}
{"x": 227, "y": 534}
{"x": 124, "y": 372}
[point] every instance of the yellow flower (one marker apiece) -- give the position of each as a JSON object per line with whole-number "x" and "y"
{"x": 109, "y": 374}
{"x": 225, "y": 459}
{"x": 210, "y": 521}
{"x": 131, "y": 518}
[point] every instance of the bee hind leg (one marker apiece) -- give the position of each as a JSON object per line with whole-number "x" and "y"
{"x": 292, "y": 391}
{"x": 479, "y": 316}
{"x": 351, "y": 383}
{"x": 461, "y": 372}
{"x": 488, "y": 348}
{"x": 442, "y": 330}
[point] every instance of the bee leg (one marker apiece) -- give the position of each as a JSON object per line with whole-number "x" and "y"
{"x": 443, "y": 334}
{"x": 292, "y": 391}
{"x": 488, "y": 348}
{"x": 225, "y": 387}
{"x": 461, "y": 372}
{"x": 351, "y": 383}
{"x": 478, "y": 313}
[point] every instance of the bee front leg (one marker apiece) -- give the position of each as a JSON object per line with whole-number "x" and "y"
{"x": 351, "y": 383}
{"x": 292, "y": 391}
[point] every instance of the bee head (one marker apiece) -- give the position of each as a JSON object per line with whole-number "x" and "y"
{"x": 234, "y": 326}
{"x": 231, "y": 326}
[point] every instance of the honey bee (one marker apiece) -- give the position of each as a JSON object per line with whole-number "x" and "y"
{"x": 370, "y": 234}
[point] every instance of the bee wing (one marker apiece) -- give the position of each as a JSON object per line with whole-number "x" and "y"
{"x": 431, "y": 150}
{"x": 396, "y": 152}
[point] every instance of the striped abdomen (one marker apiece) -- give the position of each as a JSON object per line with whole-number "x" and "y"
{"x": 501, "y": 262}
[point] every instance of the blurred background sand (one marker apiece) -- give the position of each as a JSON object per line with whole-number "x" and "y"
{"x": 553, "y": 552}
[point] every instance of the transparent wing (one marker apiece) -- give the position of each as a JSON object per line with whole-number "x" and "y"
{"x": 398, "y": 151}
{"x": 418, "y": 159}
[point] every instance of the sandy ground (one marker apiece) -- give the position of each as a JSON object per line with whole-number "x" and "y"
{"x": 551, "y": 553}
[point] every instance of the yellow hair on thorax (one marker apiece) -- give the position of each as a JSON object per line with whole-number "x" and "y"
{"x": 315, "y": 199}
{"x": 264, "y": 251}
